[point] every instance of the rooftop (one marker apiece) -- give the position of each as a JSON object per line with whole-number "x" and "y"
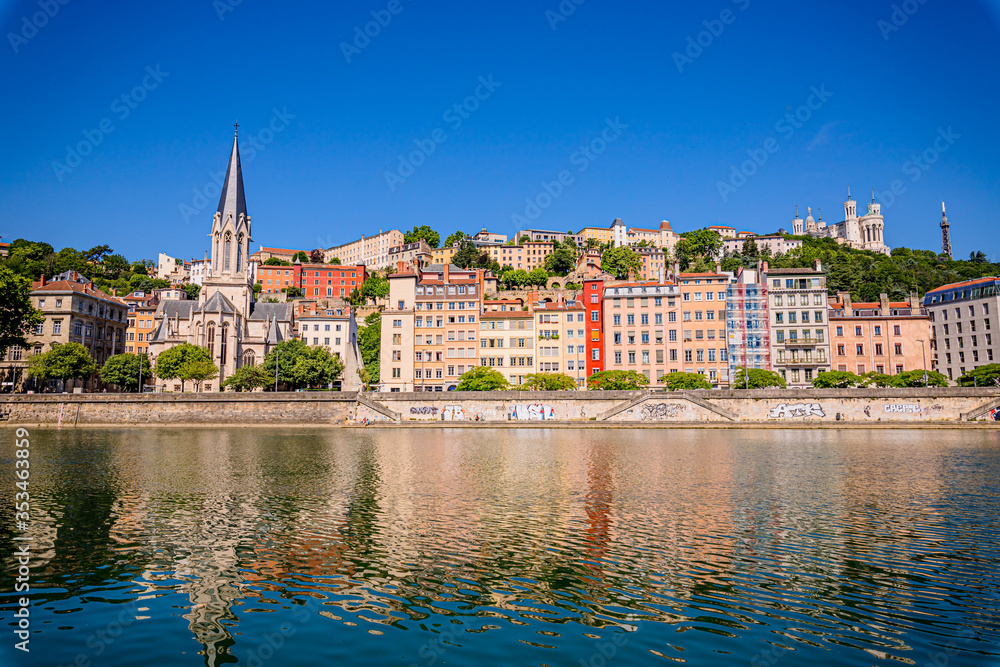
{"x": 967, "y": 283}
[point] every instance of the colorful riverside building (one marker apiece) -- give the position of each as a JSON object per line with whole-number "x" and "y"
{"x": 883, "y": 336}
{"x": 142, "y": 311}
{"x": 593, "y": 303}
{"x": 315, "y": 280}
{"x": 799, "y": 332}
{"x": 562, "y": 346}
{"x": 430, "y": 327}
{"x": 703, "y": 322}
{"x": 507, "y": 339}
{"x": 641, "y": 328}
{"x": 965, "y": 325}
{"x": 528, "y": 255}
{"x": 747, "y": 322}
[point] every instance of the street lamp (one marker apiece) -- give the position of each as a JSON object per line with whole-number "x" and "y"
{"x": 924, "y": 353}
{"x": 275, "y": 370}
{"x": 140, "y": 371}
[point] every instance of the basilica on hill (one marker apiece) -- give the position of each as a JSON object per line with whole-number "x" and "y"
{"x": 864, "y": 233}
{"x": 237, "y": 330}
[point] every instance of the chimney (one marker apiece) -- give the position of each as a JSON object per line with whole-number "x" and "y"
{"x": 447, "y": 266}
{"x": 915, "y": 302}
{"x": 42, "y": 283}
{"x": 718, "y": 267}
{"x": 677, "y": 270}
{"x": 763, "y": 269}
{"x": 845, "y": 298}
{"x": 817, "y": 266}
{"x": 400, "y": 266}
{"x": 883, "y": 303}
{"x": 662, "y": 279}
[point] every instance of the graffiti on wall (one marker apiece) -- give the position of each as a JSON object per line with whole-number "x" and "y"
{"x": 424, "y": 410}
{"x": 995, "y": 414}
{"x": 796, "y": 410}
{"x": 532, "y": 412}
{"x": 660, "y": 411}
{"x": 903, "y": 407}
{"x": 453, "y": 413}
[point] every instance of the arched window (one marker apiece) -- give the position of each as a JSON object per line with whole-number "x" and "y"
{"x": 215, "y": 255}
{"x": 239, "y": 255}
{"x": 211, "y": 338}
{"x": 248, "y": 358}
{"x": 226, "y": 256}
{"x": 223, "y": 345}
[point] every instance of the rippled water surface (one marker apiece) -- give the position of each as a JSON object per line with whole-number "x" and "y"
{"x": 527, "y": 547}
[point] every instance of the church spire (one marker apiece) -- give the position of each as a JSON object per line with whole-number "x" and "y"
{"x": 945, "y": 233}
{"x": 232, "y": 200}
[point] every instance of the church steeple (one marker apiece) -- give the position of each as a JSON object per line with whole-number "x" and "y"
{"x": 231, "y": 224}
{"x": 945, "y": 233}
{"x": 233, "y": 201}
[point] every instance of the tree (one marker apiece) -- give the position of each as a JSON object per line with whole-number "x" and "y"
{"x": 276, "y": 261}
{"x": 300, "y": 365}
{"x": 617, "y": 381}
{"x": 620, "y": 262}
{"x": 123, "y": 370}
{"x": 257, "y": 288}
{"x": 538, "y": 277}
{"x": 592, "y": 243}
{"x": 18, "y": 317}
{"x": 750, "y": 248}
{"x": 915, "y": 378}
{"x": 115, "y": 265}
{"x": 548, "y": 382}
{"x": 96, "y": 254}
{"x": 192, "y": 290}
{"x": 466, "y": 255}
{"x": 563, "y": 259}
{"x": 703, "y": 243}
{"x": 247, "y": 378}
{"x": 71, "y": 361}
{"x": 375, "y": 287}
{"x": 365, "y": 375}
{"x": 755, "y": 378}
{"x": 837, "y": 380}
{"x": 983, "y": 376}
{"x": 316, "y": 256}
{"x": 422, "y": 232}
{"x": 199, "y": 371}
{"x": 293, "y": 292}
{"x": 875, "y": 379}
{"x": 524, "y": 238}
{"x": 453, "y": 238}
{"x": 685, "y": 381}
{"x": 335, "y": 261}
{"x": 370, "y": 344}
{"x": 178, "y": 362}
{"x": 482, "y": 378}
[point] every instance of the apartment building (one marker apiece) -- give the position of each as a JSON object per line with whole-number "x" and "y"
{"x": 443, "y": 255}
{"x": 418, "y": 254}
{"x": 662, "y": 237}
{"x": 265, "y": 254}
{"x": 141, "y": 321}
{"x": 603, "y": 235}
{"x": 171, "y": 268}
{"x": 337, "y": 331}
{"x": 654, "y": 263}
{"x": 800, "y": 335}
{"x": 315, "y": 280}
{"x": 593, "y": 302}
{"x": 430, "y": 327}
{"x": 705, "y": 347}
{"x": 887, "y": 337}
{"x": 964, "y": 321}
{"x": 549, "y": 236}
{"x": 747, "y": 322}
{"x": 641, "y": 331}
{"x": 507, "y": 340}
{"x": 723, "y": 231}
{"x": 489, "y": 238}
{"x": 529, "y": 255}
{"x": 372, "y": 251}
{"x": 562, "y": 341}
{"x": 775, "y": 244}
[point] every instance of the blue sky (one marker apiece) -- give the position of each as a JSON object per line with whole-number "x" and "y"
{"x": 889, "y": 91}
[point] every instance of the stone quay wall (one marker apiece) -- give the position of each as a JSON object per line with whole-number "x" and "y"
{"x": 780, "y": 408}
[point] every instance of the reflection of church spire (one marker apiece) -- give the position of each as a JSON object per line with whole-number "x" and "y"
{"x": 945, "y": 233}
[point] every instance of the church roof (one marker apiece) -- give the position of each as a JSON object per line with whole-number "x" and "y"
{"x": 233, "y": 199}
{"x": 217, "y": 303}
{"x": 264, "y": 311}
{"x": 181, "y": 308}
{"x": 273, "y": 336}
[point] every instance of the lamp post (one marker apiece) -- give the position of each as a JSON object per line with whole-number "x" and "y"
{"x": 275, "y": 370}
{"x": 141, "y": 357}
{"x": 924, "y": 353}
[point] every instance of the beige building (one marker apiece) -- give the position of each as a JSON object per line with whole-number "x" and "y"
{"x": 641, "y": 331}
{"x": 507, "y": 340}
{"x": 881, "y": 336}
{"x": 528, "y": 256}
{"x": 965, "y": 325}
{"x": 705, "y": 348}
{"x": 372, "y": 251}
{"x": 562, "y": 342}
{"x": 337, "y": 331}
{"x": 443, "y": 255}
{"x": 776, "y": 245}
{"x": 417, "y": 254}
{"x": 799, "y": 330}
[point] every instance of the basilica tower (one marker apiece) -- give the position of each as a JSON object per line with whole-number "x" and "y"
{"x": 945, "y": 233}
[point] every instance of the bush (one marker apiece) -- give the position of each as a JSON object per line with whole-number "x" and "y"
{"x": 685, "y": 381}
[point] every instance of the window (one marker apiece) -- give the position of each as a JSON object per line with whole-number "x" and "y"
{"x": 56, "y": 327}
{"x": 594, "y": 316}
{"x": 899, "y": 348}
{"x": 859, "y": 349}
{"x": 857, "y": 331}
{"x": 396, "y": 373}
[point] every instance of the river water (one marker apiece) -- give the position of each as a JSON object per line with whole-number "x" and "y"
{"x": 507, "y": 547}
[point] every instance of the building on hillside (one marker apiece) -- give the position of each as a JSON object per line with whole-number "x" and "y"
{"x": 745, "y": 235}
{"x": 372, "y": 251}
{"x": 198, "y": 270}
{"x": 864, "y": 233}
{"x": 529, "y": 255}
{"x": 799, "y": 331}
{"x": 507, "y": 340}
{"x": 141, "y": 320}
{"x": 337, "y": 331}
{"x": 641, "y": 328}
{"x": 588, "y": 264}
{"x": 703, "y": 320}
{"x": 593, "y": 303}
{"x": 74, "y": 311}
{"x": 723, "y": 231}
{"x": 549, "y": 236}
{"x": 264, "y": 254}
{"x": 4, "y": 250}
{"x": 561, "y": 338}
{"x": 965, "y": 325}
{"x": 418, "y": 254}
{"x": 489, "y": 238}
{"x": 602, "y": 235}
{"x": 430, "y": 327}
{"x": 654, "y": 263}
{"x": 443, "y": 255}
{"x": 660, "y": 238}
{"x": 171, "y": 268}
{"x": 316, "y": 281}
{"x": 884, "y": 336}
{"x": 236, "y": 330}
{"x": 747, "y": 322}
{"x": 776, "y": 244}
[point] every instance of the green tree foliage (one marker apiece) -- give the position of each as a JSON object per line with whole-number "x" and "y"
{"x": 482, "y": 378}
{"x": 18, "y": 317}
{"x": 514, "y": 278}
{"x": 750, "y": 248}
{"x": 592, "y": 243}
{"x": 538, "y": 277}
{"x": 257, "y": 288}
{"x": 755, "y": 378}
{"x": 375, "y": 287}
{"x": 115, "y": 266}
{"x": 524, "y": 238}
{"x": 703, "y": 244}
{"x": 466, "y": 255}
{"x": 617, "y": 381}
{"x": 422, "y": 232}
{"x": 192, "y": 290}
{"x": 983, "y": 376}
{"x": 837, "y": 380}
{"x": 122, "y": 370}
{"x": 453, "y": 238}
{"x": 300, "y": 366}
{"x": 370, "y": 344}
{"x": 292, "y": 292}
{"x": 71, "y": 361}
{"x": 563, "y": 258}
{"x": 548, "y": 382}
{"x": 199, "y": 371}
{"x": 276, "y": 261}
{"x": 247, "y": 378}
{"x": 685, "y": 381}
{"x": 300, "y": 257}
{"x": 335, "y": 261}
{"x": 183, "y": 362}
{"x": 620, "y": 261}
{"x": 915, "y": 378}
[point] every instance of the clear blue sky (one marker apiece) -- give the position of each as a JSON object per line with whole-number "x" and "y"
{"x": 321, "y": 179}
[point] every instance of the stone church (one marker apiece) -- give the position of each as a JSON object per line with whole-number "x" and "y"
{"x": 864, "y": 233}
{"x": 237, "y": 330}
